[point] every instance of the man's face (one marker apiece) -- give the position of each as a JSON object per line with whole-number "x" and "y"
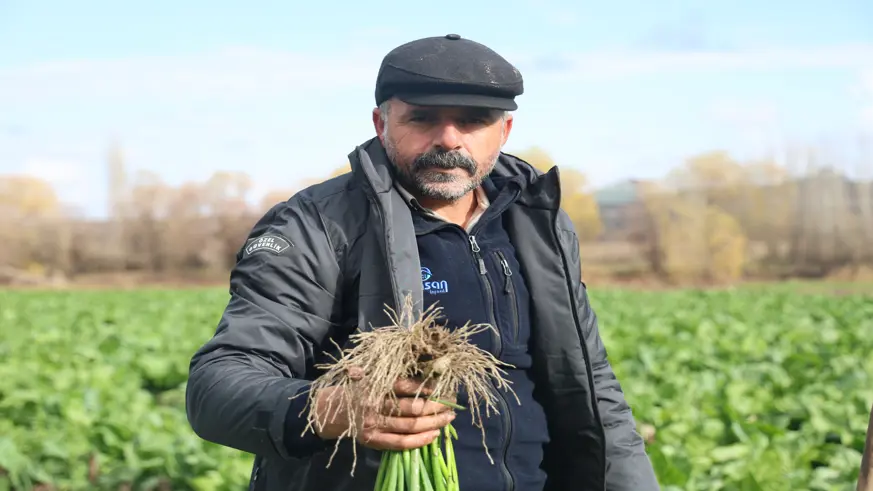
{"x": 442, "y": 153}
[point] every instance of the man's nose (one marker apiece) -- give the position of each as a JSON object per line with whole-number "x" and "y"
{"x": 447, "y": 137}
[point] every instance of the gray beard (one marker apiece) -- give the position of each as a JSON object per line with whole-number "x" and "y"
{"x": 422, "y": 179}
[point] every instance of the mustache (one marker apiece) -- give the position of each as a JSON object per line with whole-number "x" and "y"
{"x": 435, "y": 159}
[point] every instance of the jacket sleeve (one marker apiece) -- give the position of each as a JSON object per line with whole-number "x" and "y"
{"x": 283, "y": 303}
{"x": 628, "y": 467}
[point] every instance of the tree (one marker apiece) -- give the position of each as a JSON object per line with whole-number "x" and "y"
{"x": 343, "y": 169}
{"x": 576, "y": 197}
{"x": 118, "y": 194}
{"x": 34, "y": 234}
{"x": 27, "y": 196}
{"x": 273, "y": 198}
{"x": 758, "y": 195}
{"x": 691, "y": 240}
{"x": 765, "y": 206}
{"x": 226, "y": 199}
{"x": 145, "y": 233}
{"x": 190, "y": 241}
{"x": 714, "y": 171}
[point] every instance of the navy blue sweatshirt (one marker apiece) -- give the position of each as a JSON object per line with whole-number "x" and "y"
{"x": 476, "y": 278}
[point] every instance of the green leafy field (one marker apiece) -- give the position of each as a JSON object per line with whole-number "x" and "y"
{"x": 746, "y": 390}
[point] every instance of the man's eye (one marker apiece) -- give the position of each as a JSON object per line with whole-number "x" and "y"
{"x": 473, "y": 121}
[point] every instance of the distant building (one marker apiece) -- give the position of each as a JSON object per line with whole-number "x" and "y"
{"x": 621, "y": 209}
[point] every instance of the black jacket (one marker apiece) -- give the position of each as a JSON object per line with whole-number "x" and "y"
{"x": 328, "y": 261}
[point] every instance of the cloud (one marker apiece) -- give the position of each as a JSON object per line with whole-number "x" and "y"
{"x": 12, "y": 130}
{"x": 551, "y": 12}
{"x": 51, "y": 170}
{"x": 551, "y": 63}
{"x": 689, "y": 32}
{"x": 243, "y": 73}
{"x": 641, "y": 62}
{"x": 69, "y": 179}
{"x": 231, "y": 73}
{"x": 755, "y": 125}
{"x": 745, "y": 114}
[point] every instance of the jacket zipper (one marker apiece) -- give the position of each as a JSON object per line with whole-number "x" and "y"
{"x": 489, "y": 298}
{"x": 504, "y": 407}
{"x": 509, "y": 289}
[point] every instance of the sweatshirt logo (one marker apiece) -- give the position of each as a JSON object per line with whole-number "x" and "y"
{"x": 431, "y": 286}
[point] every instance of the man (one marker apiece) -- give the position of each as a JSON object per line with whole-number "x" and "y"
{"x": 865, "y": 479}
{"x": 432, "y": 209}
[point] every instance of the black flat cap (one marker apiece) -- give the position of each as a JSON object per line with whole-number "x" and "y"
{"x": 448, "y": 71}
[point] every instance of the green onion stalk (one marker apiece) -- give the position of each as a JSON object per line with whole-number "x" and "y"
{"x": 428, "y": 468}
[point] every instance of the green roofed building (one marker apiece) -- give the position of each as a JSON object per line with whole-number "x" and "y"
{"x": 621, "y": 209}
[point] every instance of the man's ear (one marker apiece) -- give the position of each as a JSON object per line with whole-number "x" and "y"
{"x": 378, "y": 124}
{"x": 507, "y": 128}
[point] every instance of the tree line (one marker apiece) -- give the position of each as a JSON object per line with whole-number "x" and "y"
{"x": 713, "y": 218}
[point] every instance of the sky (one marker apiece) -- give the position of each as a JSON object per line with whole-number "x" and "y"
{"x": 284, "y": 90}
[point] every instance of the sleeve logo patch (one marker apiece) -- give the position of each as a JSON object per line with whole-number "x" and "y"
{"x": 270, "y": 243}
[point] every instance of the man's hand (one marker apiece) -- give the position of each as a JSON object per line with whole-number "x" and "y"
{"x": 415, "y": 423}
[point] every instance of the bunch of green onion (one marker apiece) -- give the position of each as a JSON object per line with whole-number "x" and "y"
{"x": 421, "y": 469}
